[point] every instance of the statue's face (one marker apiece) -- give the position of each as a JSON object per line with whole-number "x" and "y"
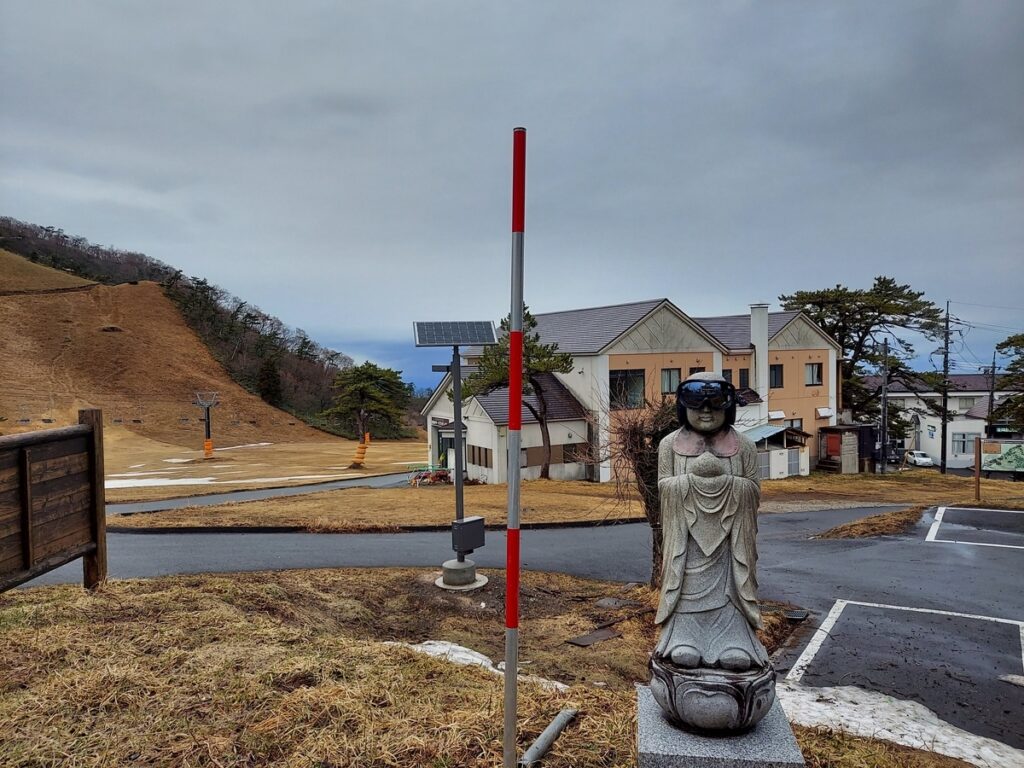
{"x": 705, "y": 419}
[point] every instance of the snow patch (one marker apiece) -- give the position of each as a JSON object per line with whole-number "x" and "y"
{"x": 178, "y": 461}
{"x": 136, "y": 466}
{"x": 247, "y": 445}
{"x": 149, "y": 472}
{"x": 458, "y": 654}
{"x": 876, "y": 715}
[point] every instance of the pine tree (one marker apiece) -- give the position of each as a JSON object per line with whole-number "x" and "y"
{"x": 370, "y": 399}
{"x": 538, "y": 358}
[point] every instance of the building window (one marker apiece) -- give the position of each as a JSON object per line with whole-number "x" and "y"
{"x": 795, "y": 423}
{"x": 626, "y": 388}
{"x": 744, "y": 378}
{"x": 775, "y": 376}
{"x": 967, "y": 402}
{"x": 669, "y": 380}
{"x": 697, "y": 369}
{"x": 812, "y": 374}
{"x": 963, "y": 442}
{"x": 727, "y": 374}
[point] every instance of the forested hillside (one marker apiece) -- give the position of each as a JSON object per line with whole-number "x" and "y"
{"x": 281, "y": 364}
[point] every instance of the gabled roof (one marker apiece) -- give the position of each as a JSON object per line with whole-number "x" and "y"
{"x": 959, "y": 382}
{"x": 562, "y": 406}
{"x": 980, "y": 408}
{"x": 734, "y": 330}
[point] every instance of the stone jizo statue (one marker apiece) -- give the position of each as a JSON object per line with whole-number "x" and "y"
{"x": 709, "y": 670}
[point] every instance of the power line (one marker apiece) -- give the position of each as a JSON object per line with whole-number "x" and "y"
{"x": 989, "y": 306}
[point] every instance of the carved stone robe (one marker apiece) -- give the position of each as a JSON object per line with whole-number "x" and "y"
{"x": 710, "y": 492}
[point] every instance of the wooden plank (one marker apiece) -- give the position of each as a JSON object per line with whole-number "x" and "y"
{"x": 10, "y": 565}
{"x": 10, "y": 476}
{"x": 10, "y": 526}
{"x": 27, "y": 548}
{"x": 53, "y": 509}
{"x": 10, "y": 545}
{"x": 64, "y": 447}
{"x": 9, "y": 442}
{"x": 10, "y": 505}
{"x": 71, "y": 532}
{"x": 50, "y": 469}
{"x": 60, "y": 486}
{"x": 48, "y": 564}
{"x": 94, "y": 566}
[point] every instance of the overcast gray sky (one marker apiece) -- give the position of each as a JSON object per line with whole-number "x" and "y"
{"x": 346, "y": 165}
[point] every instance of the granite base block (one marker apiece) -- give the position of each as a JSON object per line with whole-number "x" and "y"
{"x": 660, "y": 744}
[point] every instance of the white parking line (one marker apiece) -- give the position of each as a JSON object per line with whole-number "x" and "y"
{"x": 825, "y": 628}
{"x": 940, "y": 513}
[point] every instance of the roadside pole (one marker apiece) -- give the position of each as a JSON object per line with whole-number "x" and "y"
{"x": 885, "y": 404}
{"x": 515, "y": 404}
{"x": 977, "y": 469}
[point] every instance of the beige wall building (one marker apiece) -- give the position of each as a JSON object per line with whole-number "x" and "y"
{"x": 631, "y": 354}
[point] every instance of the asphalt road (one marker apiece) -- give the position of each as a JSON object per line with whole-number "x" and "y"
{"x": 206, "y": 500}
{"x": 953, "y": 666}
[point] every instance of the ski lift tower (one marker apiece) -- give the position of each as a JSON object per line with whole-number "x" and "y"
{"x": 467, "y": 532}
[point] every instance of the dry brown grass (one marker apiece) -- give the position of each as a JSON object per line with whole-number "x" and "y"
{"x": 544, "y": 501}
{"x": 19, "y": 274}
{"x": 390, "y": 509}
{"x": 285, "y": 669}
{"x": 885, "y": 524}
{"x": 260, "y": 466}
{"x": 109, "y": 347}
{"x": 827, "y": 748}
{"x": 913, "y": 486}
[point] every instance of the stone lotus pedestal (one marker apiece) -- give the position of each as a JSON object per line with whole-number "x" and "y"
{"x": 712, "y": 700}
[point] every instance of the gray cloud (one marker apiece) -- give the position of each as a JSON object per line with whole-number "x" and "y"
{"x": 347, "y": 167}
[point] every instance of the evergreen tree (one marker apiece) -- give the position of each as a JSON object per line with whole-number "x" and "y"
{"x": 1012, "y": 408}
{"x": 538, "y": 358}
{"x": 370, "y": 399}
{"x": 858, "y": 319}
{"x": 268, "y": 382}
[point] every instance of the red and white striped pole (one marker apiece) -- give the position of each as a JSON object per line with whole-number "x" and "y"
{"x": 515, "y": 405}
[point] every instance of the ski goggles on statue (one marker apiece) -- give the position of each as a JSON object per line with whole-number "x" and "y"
{"x": 718, "y": 395}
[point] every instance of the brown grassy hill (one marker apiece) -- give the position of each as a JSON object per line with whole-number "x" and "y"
{"x": 127, "y": 350}
{"x": 20, "y": 274}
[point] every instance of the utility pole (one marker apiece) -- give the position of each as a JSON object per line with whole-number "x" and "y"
{"x": 885, "y": 403}
{"x": 990, "y": 428}
{"x": 945, "y": 392}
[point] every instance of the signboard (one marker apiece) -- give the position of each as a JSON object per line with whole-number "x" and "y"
{"x": 1002, "y": 456}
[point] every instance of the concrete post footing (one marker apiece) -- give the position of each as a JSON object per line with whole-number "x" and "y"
{"x": 460, "y": 577}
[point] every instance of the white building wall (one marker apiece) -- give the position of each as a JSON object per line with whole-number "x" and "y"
{"x": 929, "y": 439}
{"x": 589, "y": 383}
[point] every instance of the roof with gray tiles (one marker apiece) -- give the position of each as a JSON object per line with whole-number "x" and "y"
{"x": 562, "y": 406}
{"x": 961, "y": 382}
{"x": 734, "y": 330}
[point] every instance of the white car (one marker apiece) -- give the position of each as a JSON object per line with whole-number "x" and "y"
{"x": 919, "y": 459}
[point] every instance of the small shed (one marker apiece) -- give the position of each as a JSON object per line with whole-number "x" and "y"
{"x": 782, "y": 451}
{"x": 847, "y": 448}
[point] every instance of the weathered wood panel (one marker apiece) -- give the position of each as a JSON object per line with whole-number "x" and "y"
{"x": 48, "y": 510}
{"x": 52, "y": 504}
{"x": 50, "y": 469}
{"x": 71, "y": 532}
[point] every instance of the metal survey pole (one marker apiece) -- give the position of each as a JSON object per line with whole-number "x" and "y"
{"x": 885, "y": 404}
{"x": 457, "y": 396}
{"x": 515, "y": 405}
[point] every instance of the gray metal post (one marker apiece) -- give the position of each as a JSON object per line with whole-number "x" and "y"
{"x": 885, "y": 404}
{"x": 457, "y": 394}
{"x": 945, "y": 394}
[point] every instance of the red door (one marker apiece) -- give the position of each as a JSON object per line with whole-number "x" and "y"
{"x": 833, "y": 444}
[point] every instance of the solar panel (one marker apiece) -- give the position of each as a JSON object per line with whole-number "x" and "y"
{"x": 454, "y": 334}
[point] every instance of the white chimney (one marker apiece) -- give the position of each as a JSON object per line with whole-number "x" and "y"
{"x": 759, "y": 341}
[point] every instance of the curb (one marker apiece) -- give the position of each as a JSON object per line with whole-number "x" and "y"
{"x": 394, "y": 529}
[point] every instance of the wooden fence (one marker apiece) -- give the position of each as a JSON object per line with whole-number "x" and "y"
{"x": 52, "y": 507}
